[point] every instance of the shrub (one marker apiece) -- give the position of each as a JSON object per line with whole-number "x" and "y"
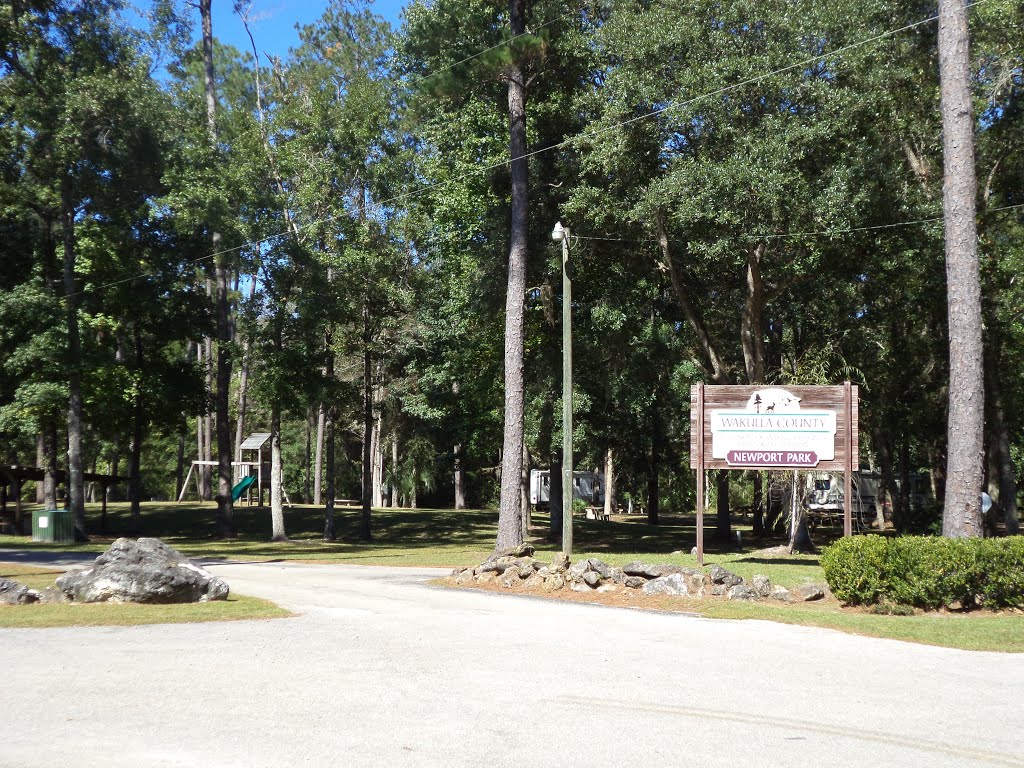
{"x": 927, "y": 572}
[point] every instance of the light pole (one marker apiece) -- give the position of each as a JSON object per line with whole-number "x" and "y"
{"x": 561, "y": 235}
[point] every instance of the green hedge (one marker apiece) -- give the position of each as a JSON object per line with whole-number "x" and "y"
{"x": 927, "y": 572}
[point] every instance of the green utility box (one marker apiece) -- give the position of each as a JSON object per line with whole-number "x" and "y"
{"x": 54, "y": 526}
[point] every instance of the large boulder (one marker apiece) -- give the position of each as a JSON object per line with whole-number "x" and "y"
{"x": 142, "y": 571}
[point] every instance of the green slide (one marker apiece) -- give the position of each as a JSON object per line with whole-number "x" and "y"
{"x": 242, "y": 487}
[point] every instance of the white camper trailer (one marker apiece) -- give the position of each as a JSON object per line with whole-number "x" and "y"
{"x": 588, "y": 486}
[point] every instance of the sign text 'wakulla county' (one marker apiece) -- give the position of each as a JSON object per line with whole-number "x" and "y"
{"x": 772, "y": 431}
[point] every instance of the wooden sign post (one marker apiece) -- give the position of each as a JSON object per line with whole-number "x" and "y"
{"x": 751, "y": 427}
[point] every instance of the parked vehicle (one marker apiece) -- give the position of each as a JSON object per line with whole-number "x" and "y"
{"x": 588, "y": 486}
{"x": 824, "y": 496}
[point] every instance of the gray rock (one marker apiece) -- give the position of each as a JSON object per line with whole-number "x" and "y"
{"x": 618, "y": 575}
{"x": 13, "y": 593}
{"x": 762, "y": 585}
{"x": 741, "y": 592}
{"x": 534, "y": 582}
{"x": 143, "y": 571}
{"x": 636, "y": 568}
{"x": 721, "y": 576}
{"x": 577, "y": 569}
{"x": 527, "y": 564}
{"x": 544, "y": 572}
{"x": 591, "y": 578}
{"x": 649, "y": 571}
{"x": 608, "y": 588}
{"x": 554, "y": 583}
{"x": 781, "y": 593}
{"x": 634, "y": 582}
{"x": 561, "y": 563}
{"x": 600, "y": 567}
{"x": 486, "y": 576}
{"x": 579, "y": 586}
{"x": 718, "y": 590}
{"x": 693, "y": 551}
{"x": 675, "y": 584}
{"x": 808, "y": 592}
{"x": 510, "y": 577}
{"x": 465, "y": 576}
{"x": 52, "y": 596}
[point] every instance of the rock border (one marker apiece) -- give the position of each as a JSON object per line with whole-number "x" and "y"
{"x": 518, "y": 569}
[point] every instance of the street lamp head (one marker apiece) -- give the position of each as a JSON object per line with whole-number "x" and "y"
{"x": 558, "y": 233}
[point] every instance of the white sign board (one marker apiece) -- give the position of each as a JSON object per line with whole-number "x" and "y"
{"x": 772, "y": 431}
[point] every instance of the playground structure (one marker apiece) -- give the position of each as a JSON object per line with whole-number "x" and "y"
{"x": 246, "y": 474}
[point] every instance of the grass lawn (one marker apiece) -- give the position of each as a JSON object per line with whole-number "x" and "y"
{"x": 433, "y": 537}
{"x": 235, "y": 608}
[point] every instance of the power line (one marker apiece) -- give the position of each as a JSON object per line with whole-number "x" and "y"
{"x": 586, "y": 135}
{"x": 809, "y": 233}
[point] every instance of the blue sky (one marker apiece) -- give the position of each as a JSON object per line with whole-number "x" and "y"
{"x": 275, "y": 20}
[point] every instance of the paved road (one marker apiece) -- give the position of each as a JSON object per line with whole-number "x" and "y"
{"x": 381, "y": 669}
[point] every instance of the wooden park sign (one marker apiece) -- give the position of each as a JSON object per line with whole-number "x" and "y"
{"x": 752, "y": 427}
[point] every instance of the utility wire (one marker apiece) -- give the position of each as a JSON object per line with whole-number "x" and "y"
{"x": 586, "y": 135}
{"x": 810, "y": 233}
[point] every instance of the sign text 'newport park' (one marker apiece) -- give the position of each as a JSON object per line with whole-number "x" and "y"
{"x": 773, "y": 431}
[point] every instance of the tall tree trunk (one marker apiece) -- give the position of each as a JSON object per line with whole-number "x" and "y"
{"x": 75, "y": 474}
{"x": 330, "y": 531}
{"x": 40, "y": 463}
{"x": 887, "y": 490}
{"x": 965, "y": 460}
{"x": 724, "y": 522}
{"x": 50, "y": 467}
{"x": 460, "y": 479}
{"x": 376, "y": 454}
{"x": 135, "y": 457}
{"x": 276, "y": 477}
{"x": 758, "y": 483}
{"x": 208, "y": 417}
{"x": 369, "y": 428}
{"x": 609, "y": 482}
{"x": 1005, "y": 479}
{"x": 309, "y": 454}
{"x": 713, "y": 362}
{"x": 202, "y": 429}
{"x": 524, "y": 492}
{"x": 510, "y": 507}
{"x": 555, "y": 493}
{"x": 799, "y": 535}
{"x": 318, "y": 463}
{"x": 115, "y": 467}
{"x": 394, "y": 470}
{"x": 413, "y": 499}
{"x": 243, "y": 386}
{"x": 901, "y": 514}
{"x": 179, "y": 474}
{"x": 225, "y": 511}
{"x": 653, "y": 494}
{"x": 752, "y": 318}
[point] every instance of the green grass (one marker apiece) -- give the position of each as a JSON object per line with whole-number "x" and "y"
{"x": 437, "y": 537}
{"x": 972, "y": 632}
{"x": 35, "y": 615}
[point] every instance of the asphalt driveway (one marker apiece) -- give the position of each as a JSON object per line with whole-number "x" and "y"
{"x": 381, "y": 669}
